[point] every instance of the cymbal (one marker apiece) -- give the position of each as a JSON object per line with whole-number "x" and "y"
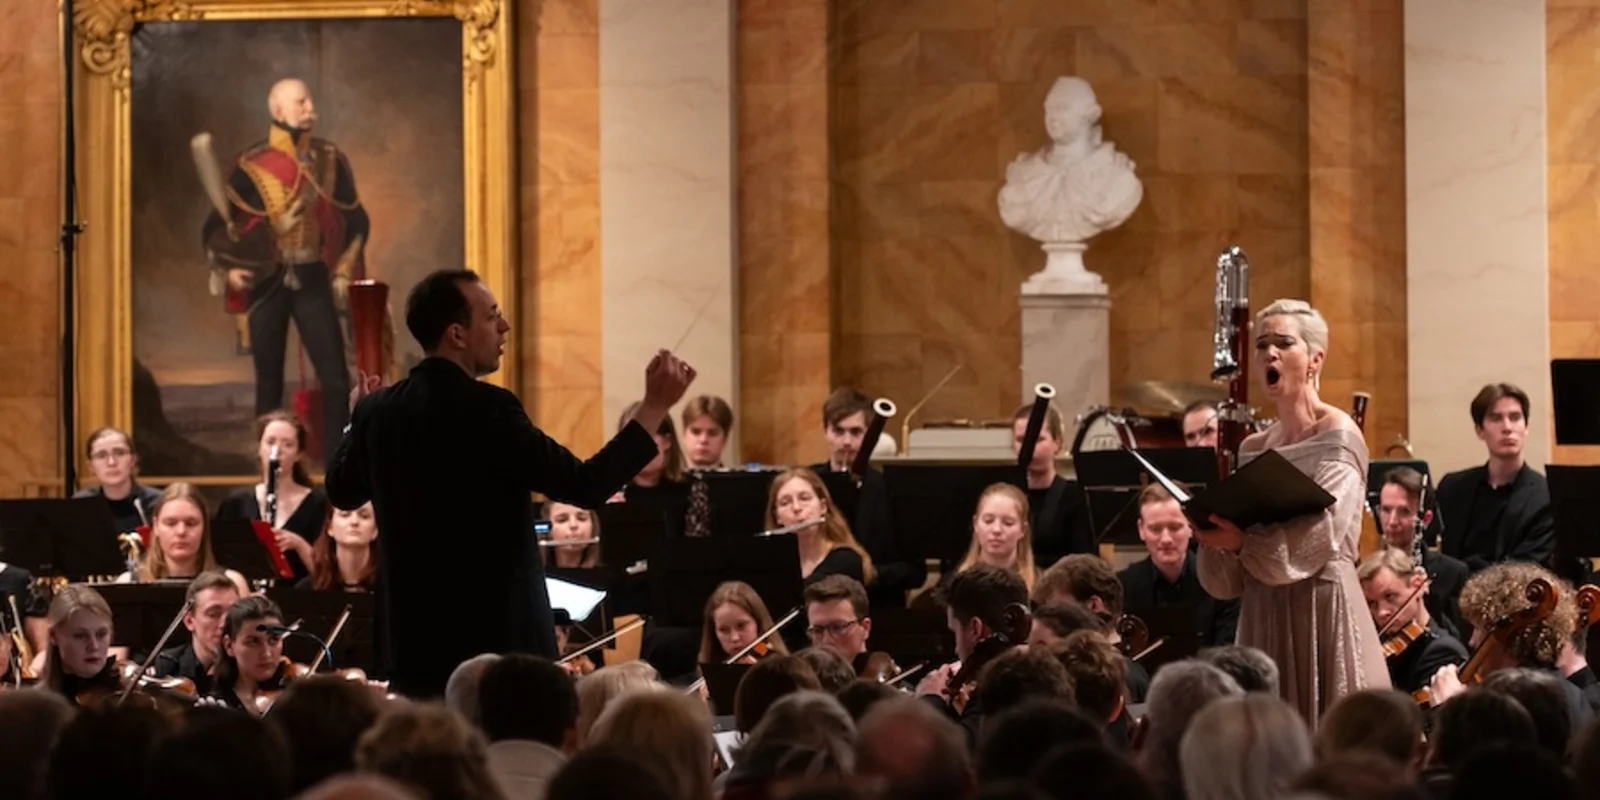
{"x": 1166, "y": 397}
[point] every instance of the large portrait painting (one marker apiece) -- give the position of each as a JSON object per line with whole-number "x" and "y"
{"x": 258, "y": 160}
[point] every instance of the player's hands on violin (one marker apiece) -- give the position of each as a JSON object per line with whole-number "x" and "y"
{"x": 1445, "y": 684}
{"x": 938, "y": 680}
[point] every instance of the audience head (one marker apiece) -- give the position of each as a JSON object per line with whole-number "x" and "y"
{"x": 707, "y": 422}
{"x": 1090, "y": 771}
{"x": 833, "y": 672}
{"x": 359, "y": 787}
{"x": 1178, "y": 693}
{"x": 431, "y": 749}
{"x": 674, "y": 727}
{"x": 320, "y": 719}
{"x": 767, "y": 682}
{"x": 1357, "y": 776}
{"x": 1501, "y": 590}
{"x": 104, "y": 752}
{"x": 1019, "y": 675}
{"x": 219, "y": 753}
{"x": 79, "y": 634}
{"x": 837, "y": 615}
{"x": 610, "y": 771}
{"x": 1088, "y": 579}
{"x": 597, "y": 689}
{"x": 805, "y": 736}
{"x": 1382, "y": 722}
{"x": 860, "y": 696}
{"x": 980, "y": 602}
{"x": 1586, "y": 760}
{"x": 461, "y": 690}
{"x": 1057, "y": 621}
{"x": 1474, "y": 719}
{"x": 1244, "y": 747}
{"x": 1013, "y": 741}
{"x": 912, "y": 750}
{"x": 1254, "y": 670}
{"x": 1512, "y": 769}
{"x": 1500, "y": 417}
{"x": 529, "y": 698}
{"x": 1099, "y": 674}
{"x": 1544, "y": 698}
{"x": 33, "y": 721}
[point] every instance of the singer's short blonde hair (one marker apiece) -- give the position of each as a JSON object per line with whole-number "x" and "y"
{"x": 1313, "y": 328}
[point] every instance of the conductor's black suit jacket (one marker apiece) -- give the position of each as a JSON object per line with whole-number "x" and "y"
{"x": 449, "y": 464}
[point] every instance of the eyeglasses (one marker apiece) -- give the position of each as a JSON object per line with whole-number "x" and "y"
{"x": 831, "y": 629}
{"x": 114, "y": 454}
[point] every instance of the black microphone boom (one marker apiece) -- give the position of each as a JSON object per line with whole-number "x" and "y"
{"x": 70, "y": 229}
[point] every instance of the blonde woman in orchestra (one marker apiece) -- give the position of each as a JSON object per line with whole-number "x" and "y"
{"x": 735, "y": 615}
{"x": 180, "y": 541}
{"x": 302, "y": 508}
{"x": 1001, "y": 534}
{"x": 827, "y": 548}
{"x": 342, "y": 558}
{"x": 1300, "y": 600}
{"x": 569, "y": 523}
{"x": 707, "y": 421}
{"x": 80, "y": 656}
{"x": 1059, "y": 524}
{"x": 115, "y": 463}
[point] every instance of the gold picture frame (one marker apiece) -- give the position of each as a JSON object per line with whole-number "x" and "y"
{"x": 102, "y": 40}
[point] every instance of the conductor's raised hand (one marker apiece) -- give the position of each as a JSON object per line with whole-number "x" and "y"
{"x": 666, "y": 380}
{"x": 1226, "y": 536}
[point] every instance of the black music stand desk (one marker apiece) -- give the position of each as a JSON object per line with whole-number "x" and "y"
{"x": 932, "y": 505}
{"x": 722, "y": 684}
{"x": 684, "y": 572}
{"x": 1575, "y": 390}
{"x": 142, "y": 611}
{"x": 1575, "y": 507}
{"x": 51, "y": 536}
{"x": 317, "y": 611}
{"x": 1113, "y": 479}
{"x": 738, "y": 501}
{"x": 237, "y": 548}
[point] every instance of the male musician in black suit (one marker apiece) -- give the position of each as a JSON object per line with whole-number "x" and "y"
{"x": 1393, "y": 586}
{"x": 1167, "y": 577}
{"x": 1399, "y": 507}
{"x": 450, "y": 464}
{"x": 1501, "y": 510}
{"x": 844, "y": 424}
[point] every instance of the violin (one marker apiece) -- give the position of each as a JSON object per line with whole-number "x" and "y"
{"x": 1395, "y": 642}
{"x": 1133, "y": 635}
{"x": 1588, "y": 600}
{"x": 1015, "y": 622}
{"x": 751, "y": 652}
{"x": 132, "y": 686}
{"x": 1543, "y": 597}
{"x": 878, "y": 668}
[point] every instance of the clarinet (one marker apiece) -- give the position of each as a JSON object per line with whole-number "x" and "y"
{"x": 270, "y": 513}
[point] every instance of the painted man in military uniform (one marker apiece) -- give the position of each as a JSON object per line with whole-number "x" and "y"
{"x": 289, "y": 249}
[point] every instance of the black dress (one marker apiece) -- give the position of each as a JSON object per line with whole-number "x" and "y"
{"x": 1060, "y": 522}
{"x": 308, "y": 520}
{"x": 839, "y": 561}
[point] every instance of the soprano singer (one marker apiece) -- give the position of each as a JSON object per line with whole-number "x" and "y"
{"x": 1301, "y": 601}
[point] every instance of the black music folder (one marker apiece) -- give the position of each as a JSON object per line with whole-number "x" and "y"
{"x": 237, "y": 548}
{"x": 737, "y": 500}
{"x": 143, "y": 611}
{"x": 1265, "y": 491}
{"x": 1575, "y": 390}
{"x": 629, "y": 531}
{"x": 932, "y": 504}
{"x": 1113, "y": 479}
{"x": 52, "y": 536}
{"x": 722, "y": 684}
{"x": 684, "y": 572}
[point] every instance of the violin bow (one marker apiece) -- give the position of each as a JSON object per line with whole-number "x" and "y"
{"x": 155, "y": 652}
{"x": 1395, "y": 617}
{"x": 744, "y": 651}
{"x": 338, "y": 627}
{"x": 602, "y": 641}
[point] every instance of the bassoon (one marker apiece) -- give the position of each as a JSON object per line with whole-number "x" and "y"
{"x": 1230, "y": 362}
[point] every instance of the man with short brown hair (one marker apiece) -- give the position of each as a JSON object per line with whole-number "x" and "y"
{"x": 1501, "y": 510}
{"x": 1166, "y": 578}
{"x": 836, "y": 615}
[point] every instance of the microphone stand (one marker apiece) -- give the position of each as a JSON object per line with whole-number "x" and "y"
{"x": 70, "y": 229}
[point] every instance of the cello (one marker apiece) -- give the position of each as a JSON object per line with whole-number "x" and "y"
{"x": 1543, "y": 597}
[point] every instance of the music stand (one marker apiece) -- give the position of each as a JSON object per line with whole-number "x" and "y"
{"x": 237, "y": 547}
{"x": 722, "y": 684}
{"x": 629, "y": 531}
{"x": 912, "y": 636}
{"x": 1575, "y": 507}
{"x": 684, "y": 572}
{"x": 53, "y": 536}
{"x": 738, "y": 502}
{"x": 598, "y": 579}
{"x": 1575, "y": 390}
{"x": 932, "y": 505}
{"x": 142, "y": 611}
{"x": 1113, "y": 479}
{"x": 317, "y": 612}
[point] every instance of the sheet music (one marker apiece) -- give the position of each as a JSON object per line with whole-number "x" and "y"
{"x": 579, "y": 601}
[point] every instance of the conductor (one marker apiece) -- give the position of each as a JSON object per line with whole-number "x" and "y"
{"x": 449, "y": 464}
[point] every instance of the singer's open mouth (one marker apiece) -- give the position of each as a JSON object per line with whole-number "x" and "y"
{"x": 1273, "y": 376}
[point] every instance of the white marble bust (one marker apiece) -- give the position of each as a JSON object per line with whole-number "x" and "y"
{"x": 1067, "y": 193}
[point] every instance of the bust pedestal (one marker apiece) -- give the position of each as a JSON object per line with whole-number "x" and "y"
{"x": 1066, "y": 342}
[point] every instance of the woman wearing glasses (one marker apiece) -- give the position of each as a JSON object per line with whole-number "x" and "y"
{"x": 115, "y": 464}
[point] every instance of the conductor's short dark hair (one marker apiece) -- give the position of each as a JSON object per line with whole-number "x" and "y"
{"x": 436, "y": 303}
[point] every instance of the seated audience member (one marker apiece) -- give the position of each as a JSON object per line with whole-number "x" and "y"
{"x": 1058, "y": 518}
{"x": 32, "y": 722}
{"x": 432, "y": 750}
{"x": 1015, "y": 740}
{"x": 461, "y": 690}
{"x": 1475, "y": 719}
{"x": 707, "y": 423}
{"x": 1166, "y": 578}
{"x": 78, "y": 657}
{"x": 251, "y": 663}
{"x": 1501, "y": 510}
{"x": 569, "y": 523}
{"x": 735, "y": 615}
{"x": 1254, "y": 670}
{"x": 1250, "y": 746}
{"x": 320, "y": 718}
{"x": 833, "y": 672}
{"x": 302, "y": 510}
{"x": 1544, "y": 696}
{"x": 103, "y": 752}
{"x": 1001, "y": 536}
{"x": 1091, "y": 772}
{"x": 806, "y": 737}
{"x": 860, "y": 696}
{"x": 1382, "y": 722}
{"x": 1357, "y": 776}
{"x": 1402, "y": 520}
{"x": 212, "y": 593}
{"x": 1057, "y": 621}
{"x": 769, "y": 681}
{"x": 1020, "y": 675}
{"x": 1390, "y": 580}
{"x": 342, "y": 557}
{"x": 1179, "y": 692}
{"x": 837, "y": 617}
{"x": 115, "y": 463}
{"x": 530, "y": 714}
{"x": 1099, "y": 676}
{"x": 219, "y": 753}
{"x": 826, "y": 548}
{"x": 976, "y": 604}
{"x": 608, "y": 772}
{"x": 1512, "y": 769}
{"x": 354, "y": 786}
{"x": 598, "y": 689}
{"x": 668, "y": 726}
{"x": 907, "y": 748}
{"x": 180, "y": 541}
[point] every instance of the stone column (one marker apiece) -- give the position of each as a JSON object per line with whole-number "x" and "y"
{"x": 1066, "y": 342}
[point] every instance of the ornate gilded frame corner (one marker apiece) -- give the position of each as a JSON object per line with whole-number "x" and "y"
{"x": 102, "y": 31}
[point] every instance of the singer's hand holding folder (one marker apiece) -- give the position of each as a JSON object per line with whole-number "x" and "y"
{"x": 1265, "y": 491}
